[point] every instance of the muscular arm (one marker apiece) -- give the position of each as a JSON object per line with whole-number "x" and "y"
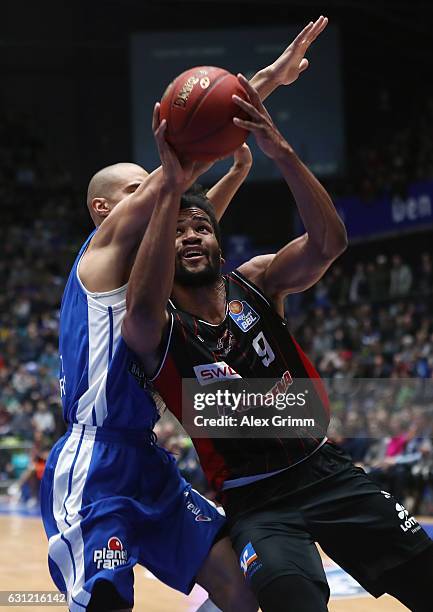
{"x": 283, "y": 71}
{"x": 151, "y": 281}
{"x": 304, "y": 260}
{"x": 152, "y": 274}
{"x": 224, "y": 191}
{"x": 106, "y": 265}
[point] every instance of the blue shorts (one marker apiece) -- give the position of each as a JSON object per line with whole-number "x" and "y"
{"x": 112, "y": 499}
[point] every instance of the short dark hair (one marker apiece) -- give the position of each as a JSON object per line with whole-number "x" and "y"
{"x": 195, "y": 197}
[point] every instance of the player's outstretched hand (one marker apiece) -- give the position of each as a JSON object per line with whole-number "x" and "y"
{"x": 178, "y": 174}
{"x": 259, "y": 121}
{"x": 292, "y": 61}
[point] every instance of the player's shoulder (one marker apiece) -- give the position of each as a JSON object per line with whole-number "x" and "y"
{"x": 254, "y": 269}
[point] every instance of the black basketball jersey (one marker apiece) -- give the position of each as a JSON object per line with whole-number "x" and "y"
{"x": 252, "y": 342}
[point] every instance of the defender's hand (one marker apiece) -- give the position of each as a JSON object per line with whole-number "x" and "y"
{"x": 242, "y": 158}
{"x": 292, "y": 61}
{"x": 260, "y": 123}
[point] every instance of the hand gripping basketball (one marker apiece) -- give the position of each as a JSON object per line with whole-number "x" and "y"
{"x": 259, "y": 121}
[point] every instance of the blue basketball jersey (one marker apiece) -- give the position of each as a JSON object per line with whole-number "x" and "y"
{"x": 101, "y": 380}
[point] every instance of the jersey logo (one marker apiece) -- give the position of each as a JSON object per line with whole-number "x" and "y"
{"x": 209, "y": 373}
{"x": 249, "y": 561}
{"x": 136, "y": 369}
{"x": 243, "y": 314}
{"x": 225, "y": 344}
{"x": 111, "y": 556}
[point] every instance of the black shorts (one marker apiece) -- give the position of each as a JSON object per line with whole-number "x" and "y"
{"x": 327, "y": 500}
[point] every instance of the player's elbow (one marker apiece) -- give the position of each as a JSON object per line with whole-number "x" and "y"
{"x": 333, "y": 247}
{"x": 340, "y": 244}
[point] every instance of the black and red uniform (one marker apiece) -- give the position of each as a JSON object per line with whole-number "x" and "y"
{"x": 286, "y": 493}
{"x": 252, "y": 342}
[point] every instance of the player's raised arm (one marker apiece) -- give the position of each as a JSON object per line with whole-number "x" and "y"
{"x": 289, "y": 65}
{"x": 222, "y": 193}
{"x": 151, "y": 280}
{"x": 303, "y": 261}
{"x": 283, "y": 71}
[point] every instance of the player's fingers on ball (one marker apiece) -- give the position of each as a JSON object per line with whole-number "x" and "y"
{"x": 254, "y": 96}
{"x": 247, "y": 107}
{"x": 246, "y": 125}
{"x": 155, "y": 116}
{"x": 160, "y": 130}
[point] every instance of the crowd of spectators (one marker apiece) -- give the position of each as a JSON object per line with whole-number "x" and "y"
{"x": 372, "y": 326}
{"x": 396, "y": 151}
{"x": 370, "y": 320}
{"x": 40, "y": 224}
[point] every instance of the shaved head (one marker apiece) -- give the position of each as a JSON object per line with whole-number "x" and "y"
{"x": 113, "y": 184}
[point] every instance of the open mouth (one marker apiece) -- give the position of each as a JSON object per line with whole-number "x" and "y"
{"x": 193, "y": 254}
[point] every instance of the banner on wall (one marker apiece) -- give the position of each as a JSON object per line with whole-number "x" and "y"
{"x": 388, "y": 214}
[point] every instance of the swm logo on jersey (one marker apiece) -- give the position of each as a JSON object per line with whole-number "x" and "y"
{"x": 112, "y": 556}
{"x": 209, "y": 373}
{"x": 249, "y": 560}
{"x": 243, "y": 314}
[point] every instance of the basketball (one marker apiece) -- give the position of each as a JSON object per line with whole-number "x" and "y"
{"x": 199, "y": 111}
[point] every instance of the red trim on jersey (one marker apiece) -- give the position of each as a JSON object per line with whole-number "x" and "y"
{"x": 275, "y": 343}
{"x": 212, "y": 462}
{"x": 179, "y": 318}
{"x": 314, "y": 375}
{"x": 169, "y": 385}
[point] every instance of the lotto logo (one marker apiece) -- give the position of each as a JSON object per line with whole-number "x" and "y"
{"x": 112, "y": 556}
{"x": 409, "y": 523}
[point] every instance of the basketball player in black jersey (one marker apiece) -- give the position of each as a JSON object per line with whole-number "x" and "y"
{"x": 281, "y": 495}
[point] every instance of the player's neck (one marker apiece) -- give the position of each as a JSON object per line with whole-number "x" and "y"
{"x": 207, "y": 303}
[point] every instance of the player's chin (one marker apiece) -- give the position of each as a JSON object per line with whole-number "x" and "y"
{"x": 194, "y": 275}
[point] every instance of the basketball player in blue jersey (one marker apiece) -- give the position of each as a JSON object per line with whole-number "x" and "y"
{"x": 111, "y": 497}
{"x": 281, "y": 494}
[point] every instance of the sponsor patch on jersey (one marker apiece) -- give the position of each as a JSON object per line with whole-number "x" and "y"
{"x": 243, "y": 315}
{"x": 110, "y": 556}
{"x": 196, "y": 511}
{"x": 209, "y": 373}
{"x": 137, "y": 371}
{"x": 249, "y": 561}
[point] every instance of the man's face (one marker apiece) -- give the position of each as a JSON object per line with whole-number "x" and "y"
{"x": 198, "y": 255}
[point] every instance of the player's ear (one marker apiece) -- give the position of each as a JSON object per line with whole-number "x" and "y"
{"x": 100, "y": 206}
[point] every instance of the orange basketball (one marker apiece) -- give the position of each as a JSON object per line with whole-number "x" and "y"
{"x": 199, "y": 110}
